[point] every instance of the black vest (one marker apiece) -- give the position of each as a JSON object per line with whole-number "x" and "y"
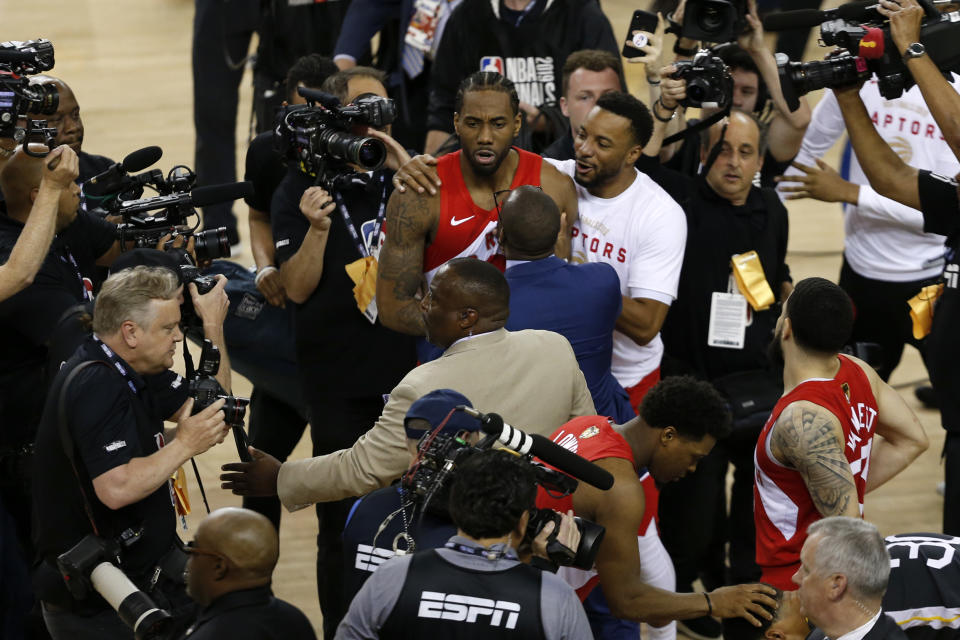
{"x": 442, "y": 600}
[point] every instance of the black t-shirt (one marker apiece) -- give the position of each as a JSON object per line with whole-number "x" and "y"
{"x": 265, "y": 170}
{"x": 28, "y": 318}
{"x": 251, "y": 613}
{"x": 339, "y": 351}
{"x": 110, "y": 423}
{"x": 941, "y": 214}
{"x": 561, "y": 149}
{"x": 717, "y": 230}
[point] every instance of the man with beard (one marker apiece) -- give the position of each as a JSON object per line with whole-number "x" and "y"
{"x": 837, "y": 419}
{"x": 427, "y": 229}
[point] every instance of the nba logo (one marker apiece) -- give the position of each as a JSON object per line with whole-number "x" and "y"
{"x": 492, "y": 63}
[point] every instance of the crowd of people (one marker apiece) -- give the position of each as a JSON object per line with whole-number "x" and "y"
{"x": 539, "y": 248}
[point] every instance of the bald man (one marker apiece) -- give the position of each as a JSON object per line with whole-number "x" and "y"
{"x": 581, "y": 302}
{"x": 28, "y": 318}
{"x": 531, "y": 378}
{"x": 228, "y": 574}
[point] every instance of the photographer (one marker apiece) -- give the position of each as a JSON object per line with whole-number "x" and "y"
{"x": 416, "y": 595}
{"x": 756, "y": 84}
{"x": 101, "y": 465}
{"x": 936, "y": 197}
{"x": 347, "y": 359}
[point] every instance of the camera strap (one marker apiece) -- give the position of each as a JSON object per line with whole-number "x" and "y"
{"x": 190, "y": 370}
{"x": 697, "y": 127}
{"x": 66, "y": 440}
{"x": 492, "y": 553}
{"x": 363, "y": 249}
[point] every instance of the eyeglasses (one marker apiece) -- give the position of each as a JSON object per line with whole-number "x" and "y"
{"x": 499, "y": 197}
{"x": 191, "y": 549}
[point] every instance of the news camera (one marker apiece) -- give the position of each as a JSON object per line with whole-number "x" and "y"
{"x": 429, "y": 480}
{"x": 205, "y": 390}
{"x": 19, "y": 98}
{"x": 115, "y": 192}
{"x": 88, "y": 568}
{"x": 319, "y": 136}
{"x": 868, "y": 49}
{"x": 714, "y": 20}
{"x": 709, "y": 83}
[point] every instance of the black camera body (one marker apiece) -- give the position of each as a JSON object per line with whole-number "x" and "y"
{"x": 709, "y": 83}
{"x": 18, "y": 98}
{"x": 870, "y": 50}
{"x": 88, "y": 567}
{"x": 318, "y": 136}
{"x": 429, "y": 482}
{"x": 205, "y": 390}
{"x": 714, "y": 20}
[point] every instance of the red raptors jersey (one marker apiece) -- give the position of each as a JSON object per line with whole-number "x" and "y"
{"x": 593, "y": 438}
{"x": 464, "y": 229}
{"x": 782, "y": 505}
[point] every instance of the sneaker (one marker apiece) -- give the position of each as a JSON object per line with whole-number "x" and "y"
{"x": 704, "y": 628}
{"x": 927, "y": 397}
{"x": 941, "y": 488}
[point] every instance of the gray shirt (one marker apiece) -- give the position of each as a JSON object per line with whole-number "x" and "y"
{"x": 560, "y": 609}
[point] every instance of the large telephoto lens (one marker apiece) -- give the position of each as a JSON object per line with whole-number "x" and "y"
{"x": 368, "y": 153}
{"x": 800, "y": 78}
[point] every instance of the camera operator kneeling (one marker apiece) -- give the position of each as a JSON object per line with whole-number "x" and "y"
{"x": 476, "y": 587}
{"x": 101, "y": 464}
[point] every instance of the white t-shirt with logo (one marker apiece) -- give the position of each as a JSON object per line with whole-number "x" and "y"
{"x": 642, "y": 234}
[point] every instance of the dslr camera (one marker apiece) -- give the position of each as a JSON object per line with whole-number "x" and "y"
{"x": 709, "y": 83}
{"x": 18, "y": 97}
{"x": 319, "y": 136}
{"x": 714, "y": 20}
{"x": 88, "y": 567}
{"x": 868, "y": 46}
{"x": 429, "y": 480}
{"x": 205, "y": 390}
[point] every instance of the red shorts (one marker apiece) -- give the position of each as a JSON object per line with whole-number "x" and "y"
{"x": 637, "y": 391}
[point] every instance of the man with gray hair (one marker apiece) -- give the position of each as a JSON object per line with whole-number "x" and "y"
{"x": 843, "y": 574}
{"x": 101, "y": 463}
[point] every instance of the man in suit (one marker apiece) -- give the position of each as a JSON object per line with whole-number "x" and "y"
{"x": 530, "y": 377}
{"x": 580, "y": 302}
{"x": 843, "y": 574}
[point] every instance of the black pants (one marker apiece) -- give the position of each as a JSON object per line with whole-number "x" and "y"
{"x": 694, "y": 525}
{"x": 882, "y": 314}
{"x": 276, "y": 428}
{"x": 221, "y": 28}
{"x": 951, "y": 493}
{"x": 336, "y": 423}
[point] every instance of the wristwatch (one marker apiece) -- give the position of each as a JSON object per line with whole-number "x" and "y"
{"x": 915, "y": 50}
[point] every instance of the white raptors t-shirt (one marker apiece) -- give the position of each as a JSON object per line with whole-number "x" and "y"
{"x": 642, "y": 234}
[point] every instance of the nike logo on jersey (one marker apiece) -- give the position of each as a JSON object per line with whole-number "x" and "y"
{"x": 454, "y": 222}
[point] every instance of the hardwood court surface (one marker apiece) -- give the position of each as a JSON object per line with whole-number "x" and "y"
{"x": 128, "y": 63}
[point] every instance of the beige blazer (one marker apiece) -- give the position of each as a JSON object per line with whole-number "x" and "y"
{"x": 531, "y": 378}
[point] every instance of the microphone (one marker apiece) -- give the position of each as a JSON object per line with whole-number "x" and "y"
{"x": 199, "y": 197}
{"x": 115, "y": 178}
{"x": 327, "y": 100}
{"x": 809, "y": 18}
{"x": 543, "y": 448}
{"x": 872, "y": 44}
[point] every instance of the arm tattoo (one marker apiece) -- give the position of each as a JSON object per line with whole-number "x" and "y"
{"x": 810, "y": 440}
{"x": 400, "y": 271}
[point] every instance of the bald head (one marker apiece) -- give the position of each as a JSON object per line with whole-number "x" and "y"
{"x": 529, "y": 224}
{"x": 67, "y": 119}
{"x": 478, "y": 284}
{"x": 244, "y": 537}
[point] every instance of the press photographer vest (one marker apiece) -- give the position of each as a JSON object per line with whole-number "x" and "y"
{"x": 442, "y": 600}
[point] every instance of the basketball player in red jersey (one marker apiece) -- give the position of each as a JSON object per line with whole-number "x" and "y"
{"x": 425, "y": 230}
{"x": 836, "y": 421}
{"x": 680, "y": 420}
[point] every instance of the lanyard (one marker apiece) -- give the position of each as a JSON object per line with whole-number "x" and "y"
{"x": 68, "y": 258}
{"x": 117, "y": 363}
{"x": 348, "y": 221}
{"x": 490, "y": 553}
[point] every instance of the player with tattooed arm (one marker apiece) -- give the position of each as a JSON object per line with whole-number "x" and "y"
{"x": 836, "y": 420}
{"x": 453, "y": 210}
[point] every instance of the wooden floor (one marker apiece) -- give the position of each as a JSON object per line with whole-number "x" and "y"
{"x": 128, "y": 62}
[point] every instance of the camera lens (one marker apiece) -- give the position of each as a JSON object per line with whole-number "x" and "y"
{"x": 42, "y": 99}
{"x": 711, "y": 19}
{"x": 211, "y": 244}
{"x": 371, "y": 153}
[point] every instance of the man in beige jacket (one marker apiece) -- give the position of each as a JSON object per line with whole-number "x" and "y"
{"x": 531, "y": 378}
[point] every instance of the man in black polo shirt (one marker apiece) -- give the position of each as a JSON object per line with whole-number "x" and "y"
{"x": 726, "y": 216}
{"x": 232, "y": 558}
{"x": 103, "y": 458}
{"x": 346, "y": 361}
